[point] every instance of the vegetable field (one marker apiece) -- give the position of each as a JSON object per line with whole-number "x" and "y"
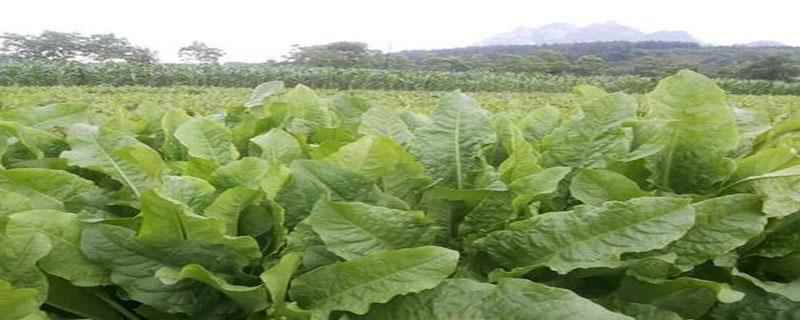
{"x": 250, "y": 75}
{"x": 681, "y": 203}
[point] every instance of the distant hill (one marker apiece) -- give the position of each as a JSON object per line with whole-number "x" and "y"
{"x": 763, "y": 44}
{"x": 560, "y": 33}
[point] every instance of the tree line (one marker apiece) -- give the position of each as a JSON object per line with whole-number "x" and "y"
{"x": 52, "y": 46}
{"x": 646, "y": 59}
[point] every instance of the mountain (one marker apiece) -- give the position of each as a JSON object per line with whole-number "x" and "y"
{"x": 762, "y": 44}
{"x": 598, "y": 32}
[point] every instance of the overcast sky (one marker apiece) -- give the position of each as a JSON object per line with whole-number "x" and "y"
{"x": 257, "y": 30}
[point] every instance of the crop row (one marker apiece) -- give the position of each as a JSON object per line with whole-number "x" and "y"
{"x": 250, "y": 75}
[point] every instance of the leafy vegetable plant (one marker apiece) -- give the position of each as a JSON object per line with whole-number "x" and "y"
{"x": 291, "y": 206}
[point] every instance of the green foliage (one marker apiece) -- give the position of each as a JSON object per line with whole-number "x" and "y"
{"x": 336, "y": 54}
{"x": 199, "y": 52}
{"x": 63, "y": 47}
{"x": 780, "y": 68}
{"x": 501, "y": 79}
{"x": 294, "y": 205}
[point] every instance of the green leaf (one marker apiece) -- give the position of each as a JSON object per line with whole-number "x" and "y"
{"x": 764, "y": 162}
{"x": 132, "y": 163}
{"x": 276, "y": 145}
{"x": 277, "y": 278}
{"x": 208, "y": 140}
{"x": 133, "y": 264}
{"x": 595, "y": 186}
{"x": 590, "y": 237}
{"x": 47, "y": 189}
{"x": 251, "y": 299}
{"x": 642, "y": 311}
{"x": 166, "y": 221}
{"x": 18, "y": 258}
{"x": 540, "y": 122}
{"x": 195, "y": 193}
{"x": 721, "y": 225}
{"x": 493, "y": 213}
{"x": 36, "y": 143}
{"x": 523, "y": 159}
{"x": 689, "y": 297}
{"x": 375, "y": 157}
{"x": 312, "y": 180}
{"x": 230, "y": 204}
{"x": 452, "y": 299}
{"x": 781, "y": 238}
{"x": 49, "y": 116}
{"x": 782, "y": 194}
{"x": 593, "y": 139}
{"x": 391, "y": 273}
{"x": 264, "y": 91}
{"x": 246, "y": 172}
{"x": 698, "y": 129}
{"x": 91, "y": 303}
{"x": 352, "y": 229}
{"x": 384, "y": 122}
{"x": 17, "y": 303}
{"x": 172, "y": 149}
{"x": 757, "y": 304}
{"x": 349, "y": 108}
{"x": 538, "y": 186}
{"x": 450, "y": 146}
{"x": 64, "y": 232}
{"x": 306, "y": 106}
{"x": 510, "y": 299}
{"x": 788, "y": 290}
{"x": 751, "y": 123}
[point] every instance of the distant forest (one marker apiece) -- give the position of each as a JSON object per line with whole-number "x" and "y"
{"x": 648, "y": 59}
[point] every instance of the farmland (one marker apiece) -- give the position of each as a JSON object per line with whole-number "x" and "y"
{"x": 286, "y": 202}
{"x": 207, "y": 100}
{"x": 251, "y": 75}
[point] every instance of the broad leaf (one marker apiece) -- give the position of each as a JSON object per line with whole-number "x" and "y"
{"x": 594, "y": 138}
{"x": 595, "y": 186}
{"x": 450, "y": 146}
{"x": 264, "y": 91}
{"x": 513, "y": 299}
{"x": 689, "y": 297}
{"x": 47, "y": 189}
{"x": 383, "y": 121}
{"x": 251, "y": 299}
{"x": 132, "y": 163}
{"x": 353, "y": 229}
{"x": 590, "y": 237}
{"x": 391, "y": 273}
{"x": 134, "y": 263}
{"x": 697, "y": 128}
{"x": 313, "y": 180}
{"x": 207, "y": 140}
{"x": 722, "y": 225}
{"x": 277, "y": 145}
{"x": 64, "y": 231}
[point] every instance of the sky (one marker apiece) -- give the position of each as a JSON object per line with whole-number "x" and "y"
{"x": 258, "y": 30}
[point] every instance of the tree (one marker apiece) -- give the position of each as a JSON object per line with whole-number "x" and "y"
{"x": 590, "y": 65}
{"x": 62, "y": 47}
{"x": 337, "y": 54}
{"x": 199, "y": 52}
{"x": 109, "y": 47}
{"x": 49, "y": 46}
{"x": 553, "y": 62}
{"x": 446, "y": 64}
{"x": 780, "y": 68}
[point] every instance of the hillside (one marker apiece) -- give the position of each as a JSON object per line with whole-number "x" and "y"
{"x": 559, "y": 33}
